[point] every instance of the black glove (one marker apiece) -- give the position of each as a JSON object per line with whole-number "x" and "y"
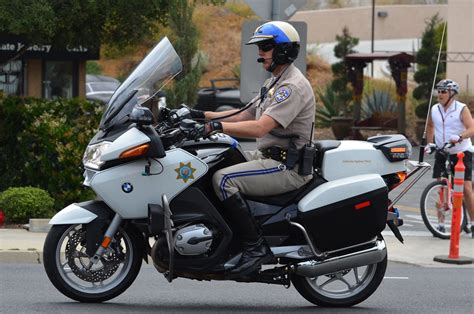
{"x": 197, "y": 114}
{"x": 207, "y": 129}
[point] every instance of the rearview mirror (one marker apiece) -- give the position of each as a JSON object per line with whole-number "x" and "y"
{"x": 141, "y": 116}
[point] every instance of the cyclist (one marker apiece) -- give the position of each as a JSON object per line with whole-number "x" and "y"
{"x": 451, "y": 121}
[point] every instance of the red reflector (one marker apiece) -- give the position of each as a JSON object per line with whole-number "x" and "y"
{"x": 362, "y": 205}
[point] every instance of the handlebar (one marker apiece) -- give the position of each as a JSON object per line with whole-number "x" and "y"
{"x": 443, "y": 150}
{"x": 445, "y": 147}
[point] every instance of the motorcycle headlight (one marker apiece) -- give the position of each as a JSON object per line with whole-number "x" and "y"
{"x": 92, "y": 155}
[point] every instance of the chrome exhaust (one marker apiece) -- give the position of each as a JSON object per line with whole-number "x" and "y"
{"x": 372, "y": 255}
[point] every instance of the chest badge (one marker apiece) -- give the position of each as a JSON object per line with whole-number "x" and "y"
{"x": 282, "y": 93}
{"x": 271, "y": 92}
{"x": 185, "y": 171}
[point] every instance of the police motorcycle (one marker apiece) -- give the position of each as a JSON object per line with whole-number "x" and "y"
{"x": 155, "y": 202}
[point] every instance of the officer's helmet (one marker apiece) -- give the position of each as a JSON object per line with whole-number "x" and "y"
{"x": 449, "y": 85}
{"x": 280, "y": 36}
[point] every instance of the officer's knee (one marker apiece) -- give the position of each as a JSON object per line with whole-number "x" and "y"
{"x": 216, "y": 180}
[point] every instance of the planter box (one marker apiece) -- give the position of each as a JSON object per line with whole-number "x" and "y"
{"x": 39, "y": 225}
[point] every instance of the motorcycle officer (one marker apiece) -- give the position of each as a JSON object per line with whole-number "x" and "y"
{"x": 285, "y": 106}
{"x": 451, "y": 121}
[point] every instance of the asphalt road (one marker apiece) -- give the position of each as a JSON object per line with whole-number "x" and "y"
{"x": 24, "y": 288}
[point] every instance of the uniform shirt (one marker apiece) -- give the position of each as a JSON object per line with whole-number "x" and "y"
{"x": 449, "y": 123}
{"x": 291, "y": 103}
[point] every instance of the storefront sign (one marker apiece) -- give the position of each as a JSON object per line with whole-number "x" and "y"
{"x": 10, "y": 46}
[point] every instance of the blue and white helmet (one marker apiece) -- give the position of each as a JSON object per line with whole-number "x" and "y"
{"x": 278, "y": 31}
{"x": 449, "y": 85}
{"x": 283, "y": 35}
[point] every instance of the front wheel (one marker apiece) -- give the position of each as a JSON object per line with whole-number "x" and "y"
{"x": 436, "y": 212}
{"x": 66, "y": 263}
{"x": 343, "y": 288}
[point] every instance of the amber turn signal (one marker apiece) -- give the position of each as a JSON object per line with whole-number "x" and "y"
{"x": 136, "y": 151}
{"x": 398, "y": 150}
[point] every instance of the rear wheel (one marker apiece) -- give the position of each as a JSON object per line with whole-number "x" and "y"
{"x": 435, "y": 211}
{"x": 341, "y": 289}
{"x": 66, "y": 263}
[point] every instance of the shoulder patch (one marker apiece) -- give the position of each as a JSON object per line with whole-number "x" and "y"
{"x": 282, "y": 93}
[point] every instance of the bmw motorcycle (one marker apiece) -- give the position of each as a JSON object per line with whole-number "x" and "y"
{"x": 155, "y": 202}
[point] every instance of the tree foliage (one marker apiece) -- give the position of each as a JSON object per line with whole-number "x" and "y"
{"x": 185, "y": 39}
{"x": 426, "y": 59}
{"x": 89, "y": 23}
{"x": 345, "y": 45}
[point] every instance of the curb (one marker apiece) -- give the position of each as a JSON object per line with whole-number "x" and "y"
{"x": 14, "y": 256}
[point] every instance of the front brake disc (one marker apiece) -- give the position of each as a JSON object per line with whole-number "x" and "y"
{"x": 77, "y": 259}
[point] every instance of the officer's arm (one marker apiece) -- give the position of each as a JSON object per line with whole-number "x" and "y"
{"x": 252, "y": 128}
{"x": 242, "y": 116}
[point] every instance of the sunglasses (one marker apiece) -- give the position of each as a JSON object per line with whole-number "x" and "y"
{"x": 442, "y": 91}
{"x": 265, "y": 47}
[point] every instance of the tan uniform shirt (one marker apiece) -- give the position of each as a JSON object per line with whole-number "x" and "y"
{"x": 291, "y": 103}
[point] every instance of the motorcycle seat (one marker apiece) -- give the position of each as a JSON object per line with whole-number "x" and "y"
{"x": 289, "y": 197}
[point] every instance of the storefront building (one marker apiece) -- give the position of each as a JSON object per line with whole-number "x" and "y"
{"x": 43, "y": 71}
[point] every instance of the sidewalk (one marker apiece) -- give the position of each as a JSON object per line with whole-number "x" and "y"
{"x": 19, "y": 245}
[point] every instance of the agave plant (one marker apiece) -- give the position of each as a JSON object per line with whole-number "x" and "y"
{"x": 377, "y": 101}
{"x": 331, "y": 106}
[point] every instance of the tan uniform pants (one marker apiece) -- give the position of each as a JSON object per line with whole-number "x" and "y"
{"x": 259, "y": 176}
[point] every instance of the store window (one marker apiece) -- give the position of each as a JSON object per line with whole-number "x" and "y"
{"x": 11, "y": 78}
{"x": 59, "y": 80}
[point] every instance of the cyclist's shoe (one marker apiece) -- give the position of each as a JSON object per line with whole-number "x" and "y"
{"x": 467, "y": 228}
{"x": 441, "y": 229}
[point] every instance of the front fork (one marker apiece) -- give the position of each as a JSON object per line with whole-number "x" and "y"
{"x": 107, "y": 239}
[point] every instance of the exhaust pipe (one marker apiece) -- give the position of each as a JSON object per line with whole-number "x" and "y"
{"x": 373, "y": 255}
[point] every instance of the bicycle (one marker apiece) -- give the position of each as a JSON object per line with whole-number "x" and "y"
{"x": 436, "y": 201}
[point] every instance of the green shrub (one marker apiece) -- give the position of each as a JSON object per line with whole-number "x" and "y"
{"x": 42, "y": 143}
{"x": 426, "y": 61}
{"x": 21, "y": 203}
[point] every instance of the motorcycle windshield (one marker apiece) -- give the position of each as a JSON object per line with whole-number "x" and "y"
{"x": 159, "y": 67}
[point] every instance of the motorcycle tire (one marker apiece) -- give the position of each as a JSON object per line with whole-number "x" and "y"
{"x": 427, "y": 210}
{"x": 65, "y": 261}
{"x": 354, "y": 294}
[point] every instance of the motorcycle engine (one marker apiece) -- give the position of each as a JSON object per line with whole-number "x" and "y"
{"x": 193, "y": 240}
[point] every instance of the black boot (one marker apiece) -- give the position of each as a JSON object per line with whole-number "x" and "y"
{"x": 256, "y": 252}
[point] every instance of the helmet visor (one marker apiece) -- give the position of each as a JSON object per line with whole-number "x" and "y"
{"x": 259, "y": 38}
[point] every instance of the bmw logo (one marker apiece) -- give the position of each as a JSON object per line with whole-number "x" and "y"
{"x": 127, "y": 187}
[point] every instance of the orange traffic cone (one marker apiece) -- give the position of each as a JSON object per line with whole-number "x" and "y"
{"x": 453, "y": 257}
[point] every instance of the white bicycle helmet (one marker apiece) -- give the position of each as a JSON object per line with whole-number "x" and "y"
{"x": 449, "y": 85}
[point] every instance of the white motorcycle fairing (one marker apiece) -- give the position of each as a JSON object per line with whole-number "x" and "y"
{"x": 72, "y": 214}
{"x": 128, "y": 190}
{"x": 132, "y": 138}
{"x": 354, "y": 158}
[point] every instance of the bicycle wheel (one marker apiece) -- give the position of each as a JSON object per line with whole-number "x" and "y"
{"x": 435, "y": 212}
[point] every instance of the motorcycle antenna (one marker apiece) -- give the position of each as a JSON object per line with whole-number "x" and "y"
{"x": 311, "y": 135}
{"x": 423, "y": 139}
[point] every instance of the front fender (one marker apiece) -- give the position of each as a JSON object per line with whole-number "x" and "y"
{"x": 81, "y": 213}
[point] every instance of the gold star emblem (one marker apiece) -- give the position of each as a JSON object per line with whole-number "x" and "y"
{"x": 185, "y": 171}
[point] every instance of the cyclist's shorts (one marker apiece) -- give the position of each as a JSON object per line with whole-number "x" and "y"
{"x": 438, "y": 168}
